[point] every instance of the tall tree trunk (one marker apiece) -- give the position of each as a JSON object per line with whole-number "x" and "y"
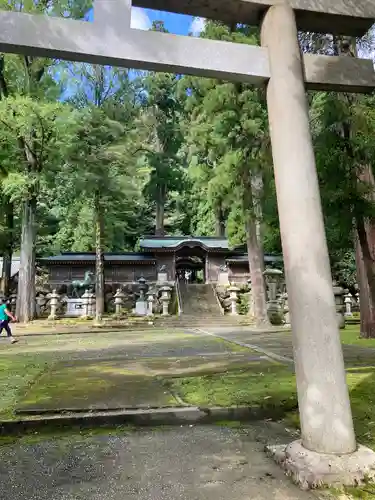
{"x": 99, "y": 262}
{"x": 257, "y": 191}
{"x": 9, "y": 208}
{"x": 26, "y": 280}
{"x": 160, "y": 209}
{"x": 219, "y": 221}
{"x": 8, "y": 251}
{"x": 258, "y": 286}
{"x": 367, "y": 305}
{"x": 255, "y": 255}
{"x": 365, "y": 259}
{"x": 365, "y": 253}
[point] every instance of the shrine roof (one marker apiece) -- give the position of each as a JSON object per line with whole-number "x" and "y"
{"x": 173, "y": 242}
{"x": 90, "y": 256}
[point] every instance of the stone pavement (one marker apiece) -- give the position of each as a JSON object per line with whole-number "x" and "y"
{"x": 118, "y": 370}
{"x": 120, "y": 345}
{"x": 110, "y": 371}
{"x": 184, "y": 463}
{"x": 103, "y": 385}
{"x": 280, "y": 344}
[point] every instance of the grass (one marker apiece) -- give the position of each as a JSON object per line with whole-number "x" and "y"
{"x": 275, "y": 386}
{"x": 350, "y": 336}
{"x": 16, "y": 375}
{"x": 259, "y": 385}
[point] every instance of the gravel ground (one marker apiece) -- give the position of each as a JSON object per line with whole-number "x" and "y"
{"x": 187, "y": 463}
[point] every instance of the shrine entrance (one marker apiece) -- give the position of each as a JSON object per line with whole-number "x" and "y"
{"x": 190, "y": 264}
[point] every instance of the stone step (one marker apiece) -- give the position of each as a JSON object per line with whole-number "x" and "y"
{"x": 193, "y": 321}
{"x": 199, "y": 301}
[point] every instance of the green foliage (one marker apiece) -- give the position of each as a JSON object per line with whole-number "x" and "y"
{"x": 188, "y": 149}
{"x": 52, "y": 126}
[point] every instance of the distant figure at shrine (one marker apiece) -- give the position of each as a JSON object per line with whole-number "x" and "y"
{"x": 187, "y": 276}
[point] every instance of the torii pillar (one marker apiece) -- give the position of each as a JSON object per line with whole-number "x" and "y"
{"x": 325, "y": 413}
{"x": 324, "y": 406}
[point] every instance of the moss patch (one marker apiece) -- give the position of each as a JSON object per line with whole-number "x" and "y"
{"x": 95, "y": 385}
{"x": 260, "y": 385}
{"x": 16, "y": 375}
{"x": 72, "y": 434}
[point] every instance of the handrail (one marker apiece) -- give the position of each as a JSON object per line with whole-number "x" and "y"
{"x": 222, "y": 311}
{"x": 179, "y": 298}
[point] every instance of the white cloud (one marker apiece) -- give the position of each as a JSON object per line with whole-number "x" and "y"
{"x": 197, "y": 26}
{"x": 139, "y": 19}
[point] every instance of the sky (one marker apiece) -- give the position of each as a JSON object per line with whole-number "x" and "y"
{"x": 174, "y": 23}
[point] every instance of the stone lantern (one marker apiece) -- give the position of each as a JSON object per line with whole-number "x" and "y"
{"x": 233, "y": 291}
{"x": 119, "y": 301}
{"x": 165, "y": 299}
{"x": 142, "y": 287}
{"x": 141, "y": 304}
{"x": 40, "y": 301}
{"x": 54, "y": 303}
{"x": 348, "y": 305}
{"x": 273, "y": 278}
{"x": 150, "y": 302}
{"x": 339, "y": 293}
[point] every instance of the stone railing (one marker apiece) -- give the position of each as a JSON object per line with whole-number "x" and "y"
{"x": 222, "y": 311}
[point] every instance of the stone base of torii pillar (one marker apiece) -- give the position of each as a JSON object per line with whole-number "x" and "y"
{"x": 309, "y": 469}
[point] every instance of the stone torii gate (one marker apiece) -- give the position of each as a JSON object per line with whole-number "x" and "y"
{"x": 328, "y": 451}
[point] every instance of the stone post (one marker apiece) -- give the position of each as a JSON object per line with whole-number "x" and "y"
{"x": 233, "y": 290}
{"x": 119, "y": 301}
{"x": 165, "y": 298}
{"x": 348, "y": 305}
{"x": 325, "y": 413}
{"x": 54, "y": 303}
{"x": 91, "y": 304}
{"x": 85, "y": 304}
{"x": 251, "y": 299}
{"x": 150, "y": 301}
{"x": 286, "y": 311}
{"x": 13, "y": 301}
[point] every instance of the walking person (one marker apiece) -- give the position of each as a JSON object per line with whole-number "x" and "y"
{"x": 5, "y": 317}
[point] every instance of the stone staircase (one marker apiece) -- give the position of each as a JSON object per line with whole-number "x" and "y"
{"x": 199, "y": 301}
{"x": 200, "y": 308}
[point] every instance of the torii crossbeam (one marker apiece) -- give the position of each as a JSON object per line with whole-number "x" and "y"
{"x": 109, "y": 40}
{"x": 328, "y": 450}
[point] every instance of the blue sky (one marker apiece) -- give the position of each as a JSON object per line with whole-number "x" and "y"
{"x": 174, "y": 23}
